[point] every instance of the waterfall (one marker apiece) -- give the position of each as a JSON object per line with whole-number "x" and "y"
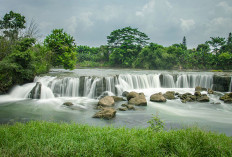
{"x": 93, "y": 87}
{"x": 168, "y": 81}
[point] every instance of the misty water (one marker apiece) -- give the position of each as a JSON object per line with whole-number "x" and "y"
{"x": 83, "y": 87}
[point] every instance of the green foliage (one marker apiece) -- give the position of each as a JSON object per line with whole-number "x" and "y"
{"x": 62, "y": 45}
{"x": 11, "y": 24}
{"x": 156, "y": 123}
{"x": 53, "y": 139}
{"x": 128, "y": 37}
{"x": 216, "y": 43}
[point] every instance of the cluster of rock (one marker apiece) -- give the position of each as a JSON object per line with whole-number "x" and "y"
{"x": 227, "y": 98}
{"x": 107, "y": 103}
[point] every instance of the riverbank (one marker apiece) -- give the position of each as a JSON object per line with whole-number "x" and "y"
{"x": 52, "y": 139}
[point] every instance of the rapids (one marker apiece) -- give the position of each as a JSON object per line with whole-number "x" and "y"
{"x": 83, "y": 87}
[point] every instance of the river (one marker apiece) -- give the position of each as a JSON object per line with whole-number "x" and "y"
{"x": 83, "y": 87}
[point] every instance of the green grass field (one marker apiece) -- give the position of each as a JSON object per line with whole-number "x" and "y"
{"x": 39, "y": 138}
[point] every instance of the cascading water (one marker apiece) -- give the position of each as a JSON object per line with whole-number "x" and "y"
{"x": 93, "y": 87}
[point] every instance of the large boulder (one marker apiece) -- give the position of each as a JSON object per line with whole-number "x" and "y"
{"x": 158, "y": 97}
{"x": 169, "y": 95}
{"x": 198, "y": 88}
{"x": 139, "y": 100}
{"x": 197, "y": 93}
{"x": 227, "y": 98}
{"x": 106, "y": 113}
{"x": 107, "y": 101}
{"x": 129, "y": 107}
{"x": 35, "y": 93}
{"x": 203, "y": 98}
{"x": 132, "y": 95}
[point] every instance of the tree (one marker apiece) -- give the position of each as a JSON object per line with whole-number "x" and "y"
{"x": 216, "y": 43}
{"x": 125, "y": 44}
{"x": 127, "y": 37}
{"x": 184, "y": 42}
{"x": 11, "y": 24}
{"x": 62, "y": 45}
{"x": 229, "y": 40}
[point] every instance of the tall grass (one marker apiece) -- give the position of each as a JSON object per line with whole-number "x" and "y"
{"x": 52, "y": 139}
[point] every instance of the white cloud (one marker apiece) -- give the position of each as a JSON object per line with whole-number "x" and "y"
{"x": 169, "y": 4}
{"x": 187, "y": 25}
{"x": 217, "y": 25}
{"x": 225, "y": 6}
{"x": 85, "y": 19}
{"x": 147, "y": 8}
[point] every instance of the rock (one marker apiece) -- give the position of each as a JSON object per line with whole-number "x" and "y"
{"x": 125, "y": 93}
{"x": 228, "y": 100}
{"x": 158, "y": 97}
{"x": 107, "y": 101}
{"x": 221, "y": 83}
{"x": 35, "y": 93}
{"x": 204, "y": 89}
{"x": 68, "y": 104}
{"x": 130, "y": 107}
{"x": 116, "y": 98}
{"x": 203, "y": 99}
{"x": 198, "y": 88}
{"x": 139, "y": 100}
{"x": 132, "y": 95}
{"x": 193, "y": 97}
{"x": 185, "y": 96}
{"x": 197, "y": 93}
{"x": 177, "y": 93}
{"x": 124, "y": 105}
{"x": 169, "y": 95}
{"x": 106, "y": 113}
{"x": 210, "y": 91}
{"x": 123, "y": 109}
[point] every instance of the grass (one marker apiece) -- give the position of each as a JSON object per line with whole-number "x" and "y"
{"x": 39, "y": 138}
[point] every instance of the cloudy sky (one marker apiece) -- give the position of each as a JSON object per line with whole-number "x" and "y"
{"x": 165, "y": 21}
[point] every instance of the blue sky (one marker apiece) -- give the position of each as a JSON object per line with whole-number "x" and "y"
{"x": 165, "y": 21}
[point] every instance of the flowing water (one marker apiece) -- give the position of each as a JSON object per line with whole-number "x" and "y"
{"x": 83, "y": 87}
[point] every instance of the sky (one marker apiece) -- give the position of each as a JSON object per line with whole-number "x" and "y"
{"x": 165, "y": 22}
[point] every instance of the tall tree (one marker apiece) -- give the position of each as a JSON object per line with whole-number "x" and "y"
{"x": 127, "y": 37}
{"x": 184, "y": 42}
{"x": 62, "y": 45}
{"x": 229, "y": 40}
{"x": 11, "y": 24}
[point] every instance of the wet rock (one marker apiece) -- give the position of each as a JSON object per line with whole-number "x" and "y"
{"x": 158, "y": 97}
{"x": 139, "y": 100}
{"x": 132, "y": 95}
{"x": 68, "y": 104}
{"x": 227, "y": 98}
{"x": 210, "y": 91}
{"x": 35, "y": 93}
{"x": 123, "y": 109}
{"x": 198, "y": 88}
{"x": 193, "y": 97}
{"x": 117, "y": 99}
{"x": 203, "y": 99}
{"x": 125, "y": 93}
{"x": 129, "y": 107}
{"x": 106, "y": 113}
{"x": 107, "y": 101}
{"x": 221, "y": 83}
{"x": 197, "y": 93}
{"x": 185, "y": 96}
{"x": 169, "y": 95}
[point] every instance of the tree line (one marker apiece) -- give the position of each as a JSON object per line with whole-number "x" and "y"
{"x": 22, "y": 57}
